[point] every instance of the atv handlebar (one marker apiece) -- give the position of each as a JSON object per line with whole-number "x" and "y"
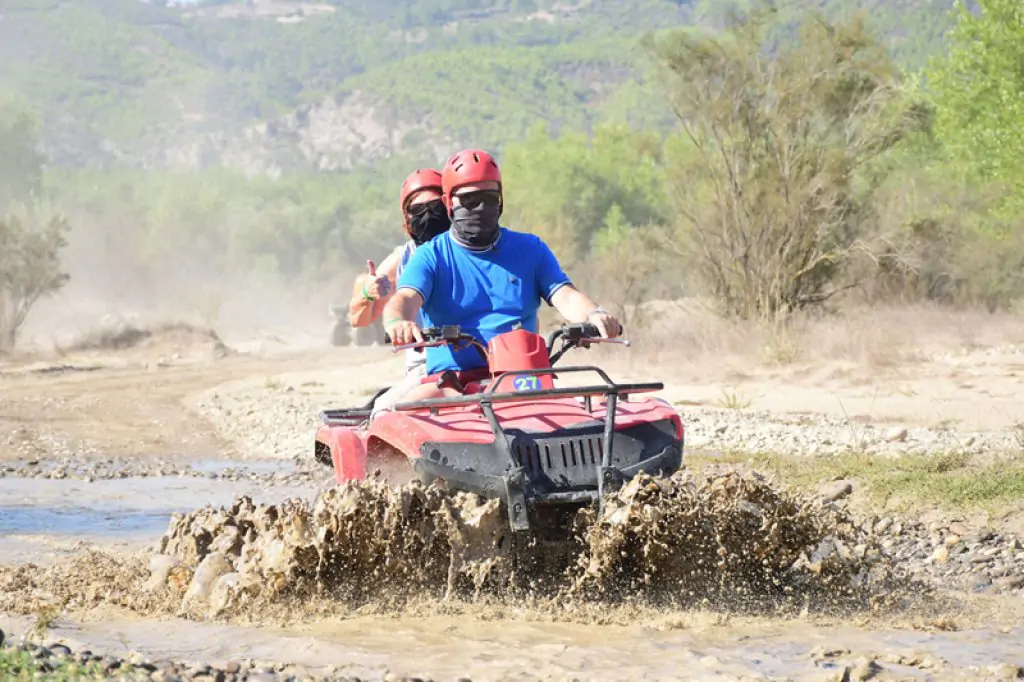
{"x": 572, "y": 335}
{"x": 433, "y": 337}
{"x": 581, "y": 334}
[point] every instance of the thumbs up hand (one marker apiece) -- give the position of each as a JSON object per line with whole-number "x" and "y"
{"x": 375, "y": 286}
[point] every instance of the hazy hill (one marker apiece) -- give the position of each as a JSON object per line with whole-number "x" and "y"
{"x": 267, "y": 85}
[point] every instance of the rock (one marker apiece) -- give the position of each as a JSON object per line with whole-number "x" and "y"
{"x": 223, "y": 592}
{"x": 837, "y": 490}
{"x": 212, "y": 567}
{"x": 941, "y": 555}
{"x": 896, "y": 435}
{"x": 60, "y": 650}
{"x": 160, "y": 566}
{"x": 163, "y": 676}
{"x": 1005, "y": 671}
{"x": 1010, "y": 582}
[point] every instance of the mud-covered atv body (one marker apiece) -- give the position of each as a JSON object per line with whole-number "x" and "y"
{"x": 542, "y": 449}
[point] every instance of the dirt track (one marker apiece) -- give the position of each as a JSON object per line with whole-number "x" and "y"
{"x": 172, "y": 406}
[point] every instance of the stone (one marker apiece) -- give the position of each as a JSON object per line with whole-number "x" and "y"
{"x": 837, "y": 490}
{"x": 1010, "y": 582}
{"x": 223, "y": 591}
{"x": 1005, "y": 671}
{"x": 897, "y": 434}
{"x": 160, "y": 566}
{"x": 210, "y": 568}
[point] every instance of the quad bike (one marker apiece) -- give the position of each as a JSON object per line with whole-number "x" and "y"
{"x": 544, "y": 450}
{"x": 343, "y": 333}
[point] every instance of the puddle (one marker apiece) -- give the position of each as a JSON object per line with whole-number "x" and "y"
{"x": 446, "y": 648}
{"x": 39, "y": 517}
{"x": 217, "y": 466}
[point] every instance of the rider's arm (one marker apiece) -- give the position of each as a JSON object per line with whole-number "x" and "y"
{"x": 413, "y": 287}
{"x": 361, "y": 312}
{"x": 573, "y": 304}
{"x": 570, "y": 302}
{"x": 404, "y": 305}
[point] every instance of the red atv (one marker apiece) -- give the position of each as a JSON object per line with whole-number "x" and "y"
{"x": 543, "y": 450}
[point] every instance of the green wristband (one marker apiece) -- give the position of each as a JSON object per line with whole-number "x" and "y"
{"x": 393, "y": 319}
{"x": 366, "y": 295}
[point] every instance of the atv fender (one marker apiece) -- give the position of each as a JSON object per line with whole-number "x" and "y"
{"x": 348, "y": 453}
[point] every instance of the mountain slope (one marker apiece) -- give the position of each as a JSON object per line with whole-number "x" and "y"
{"x": 272, "y": 85}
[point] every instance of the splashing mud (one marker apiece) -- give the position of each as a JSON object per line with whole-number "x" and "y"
{"x": 730, "y": 540}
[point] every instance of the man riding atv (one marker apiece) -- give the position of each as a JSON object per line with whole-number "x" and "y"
{"x": 483, "y": 277}
{"x": 425, "y": 217}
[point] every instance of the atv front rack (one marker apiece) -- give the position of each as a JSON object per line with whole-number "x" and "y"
{"x": 517, "y": 489}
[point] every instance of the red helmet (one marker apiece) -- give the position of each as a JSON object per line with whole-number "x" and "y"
{"x": 419, "y": 180}
{"x": 468, "y": 167}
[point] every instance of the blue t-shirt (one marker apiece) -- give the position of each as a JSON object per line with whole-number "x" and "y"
{"x": 484, "y": 292}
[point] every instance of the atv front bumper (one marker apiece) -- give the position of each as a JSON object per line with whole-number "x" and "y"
{"x": 546, "y": 469}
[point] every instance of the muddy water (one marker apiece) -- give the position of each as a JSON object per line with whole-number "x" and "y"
{"x": 446, "y": 648}
{"x": 313, "y": 596}
{"x": 41, "y": 519}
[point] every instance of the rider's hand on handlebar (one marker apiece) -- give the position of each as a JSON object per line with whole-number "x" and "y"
{"x": 606, "y": 323}
{"x": 403, "y": 332}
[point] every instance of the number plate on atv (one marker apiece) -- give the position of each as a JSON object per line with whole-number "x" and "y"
{"x": 527, "y": 383}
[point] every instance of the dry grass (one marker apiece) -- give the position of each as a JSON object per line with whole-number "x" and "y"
{"x": 689, "y": 333}
{"x": 120, "y": 334}
{"x": 953, "y": 481}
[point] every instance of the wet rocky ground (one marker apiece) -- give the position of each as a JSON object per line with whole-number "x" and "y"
{"x": 26, "y": 659}
{"x": 978, "y": 560}
{"x": 220, "y": 562}
{"x": 741, "y": 430}
{"x": 287, "y": 414}
{"x": 96, "y": 469}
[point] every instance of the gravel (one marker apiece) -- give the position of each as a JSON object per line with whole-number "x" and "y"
{"x": 25, "y": 659}
{"x": 89, "y": 470}
{"x": 726, "y": 430}
{"x": 277, "y": 422}
{"x": 978, "y": 560}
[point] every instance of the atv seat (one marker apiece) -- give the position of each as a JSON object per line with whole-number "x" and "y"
{"x": 352, "y": 416}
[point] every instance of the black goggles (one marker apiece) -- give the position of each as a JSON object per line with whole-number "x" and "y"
{"x": 487, "y": 197}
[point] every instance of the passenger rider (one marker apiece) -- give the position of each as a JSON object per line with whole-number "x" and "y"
{"x": 424, "y": 217}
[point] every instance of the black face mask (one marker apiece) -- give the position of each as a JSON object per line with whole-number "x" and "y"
{"x": 476, "y": 227}
{"x": 428, "y": 220}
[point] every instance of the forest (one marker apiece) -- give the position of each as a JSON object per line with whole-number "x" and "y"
{"x": 771, "y": 157}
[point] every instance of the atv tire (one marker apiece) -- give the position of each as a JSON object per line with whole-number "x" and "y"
{"x": 340, "y": 334}
{"x": 371, "y": 335}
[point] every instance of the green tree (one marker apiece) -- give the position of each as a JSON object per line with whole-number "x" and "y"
{"x": 30, "y": 268}
{"x": 21, "y": 165}
{"x": 979, "y": 93}
{"x": 766, "y": 183}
